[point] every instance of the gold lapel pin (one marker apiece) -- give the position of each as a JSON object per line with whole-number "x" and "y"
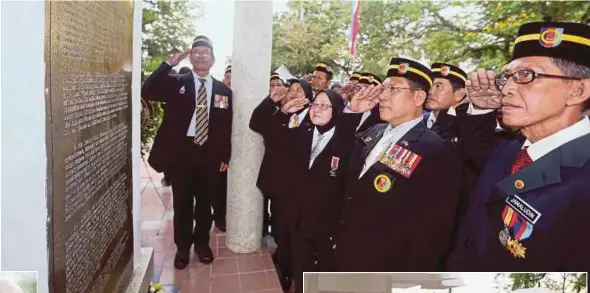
{"x": 519, "y": 184}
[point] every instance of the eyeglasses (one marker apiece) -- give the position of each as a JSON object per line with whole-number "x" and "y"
{"x": 396, "y": 89}
{"x": 525, "y": 76}
{"x": 321, "y": 106}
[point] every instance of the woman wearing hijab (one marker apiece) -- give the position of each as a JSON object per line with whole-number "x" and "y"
{"x": 274, "y": 178}
{"x": 318, "y": 162}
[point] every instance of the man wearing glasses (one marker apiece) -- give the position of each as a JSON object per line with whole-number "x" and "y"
{"x": 404, "y": 181}
{"x": 531, "y": 209}
{"x": 193, "y": 144}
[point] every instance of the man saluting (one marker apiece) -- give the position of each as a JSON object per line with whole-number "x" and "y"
{"x": 403, "y": 181}
{"x": 531, "y": 206}
{"x": 193, "y": 144}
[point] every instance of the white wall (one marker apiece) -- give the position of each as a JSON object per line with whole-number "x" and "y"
{"x": 24, "y": 158}
{"x": 136, "y": 128}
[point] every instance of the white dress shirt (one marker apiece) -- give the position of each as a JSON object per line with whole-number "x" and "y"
{"x": 546, "y": 145}
{"x": 363, "y": 119}
{"x": 390, "y": 137}
{"x": 209, "y": 87}
{"x": 326, "y": 137}
{"x": 301, "y": 116}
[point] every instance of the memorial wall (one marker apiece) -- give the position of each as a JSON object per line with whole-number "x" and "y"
{"x": 88, "y": 57}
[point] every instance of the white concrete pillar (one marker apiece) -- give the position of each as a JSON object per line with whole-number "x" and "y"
{"x": 250, "y": 75}
{"x": 24, "y": 152}
{"x": 136, "y": 130}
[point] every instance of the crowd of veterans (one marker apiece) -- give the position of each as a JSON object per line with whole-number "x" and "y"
{"x": 429, "y": 169}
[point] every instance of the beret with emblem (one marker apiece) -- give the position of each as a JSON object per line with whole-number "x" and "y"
{"x": 325, "y": 68}
{"x": 564, "y": 40}
{"x": 375, "y": 80}
{"x": 202, "y": 41}
{"x": 369, "y": 78}
{"x": 411, "y": 70}
{"x": 355, "y": 76}
{"x": 228, "y": 69}
{"x": 450, "y": 72}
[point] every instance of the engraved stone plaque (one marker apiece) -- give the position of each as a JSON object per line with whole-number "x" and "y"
{"x": 88, "y": 78}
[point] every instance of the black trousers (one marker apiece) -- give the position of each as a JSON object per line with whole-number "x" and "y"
{"x": 193, "y": 180}
{"x": 268, "y": 219}
{"x": 220, "y": 200}
{"x": 306, "y": 250}
{"x": 284, "y": 230}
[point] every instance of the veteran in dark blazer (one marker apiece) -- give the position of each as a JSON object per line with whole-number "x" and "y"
{"x": 193, "y": 144}
{"x": 531, "y": 209}
{"x": 403, "y": 182}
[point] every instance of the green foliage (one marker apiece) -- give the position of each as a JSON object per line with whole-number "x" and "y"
{"x": 168, "y": 26}
{"x": 473, "y": 33}
{"x": 562, "y": 282}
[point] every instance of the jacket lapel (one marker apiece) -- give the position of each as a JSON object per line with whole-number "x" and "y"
{"x": 547, "y": 170}
{"x": 371, "y": 138}
{"x": 414, "y": 134}
{"x": 189, "y": 85}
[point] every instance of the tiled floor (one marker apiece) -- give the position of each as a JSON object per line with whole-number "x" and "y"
{"x": 229, "y": 273}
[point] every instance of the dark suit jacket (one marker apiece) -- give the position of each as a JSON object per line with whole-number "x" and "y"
{"x": 406, "y": 228}
{"x": 269, "y": 177}
{"x": 557, "y": 186}
{"x": 180, "y": 106}
{"x": 446, "y": 126}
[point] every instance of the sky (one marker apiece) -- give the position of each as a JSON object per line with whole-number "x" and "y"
{"x": 218, "y": 25}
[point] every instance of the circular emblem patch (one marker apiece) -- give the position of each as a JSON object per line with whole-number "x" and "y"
{"x": 382, "y": 183}
{"x": 444, "y": 70}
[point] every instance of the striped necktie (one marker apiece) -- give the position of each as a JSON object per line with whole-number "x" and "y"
{"x": 522, "y": 160}
{"x": 202, "y": 124}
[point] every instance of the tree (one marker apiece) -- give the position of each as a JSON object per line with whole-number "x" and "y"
{"x": 168, "y": 26}
{"x": 563, "y": 282}
{"x": 473, "y": 33}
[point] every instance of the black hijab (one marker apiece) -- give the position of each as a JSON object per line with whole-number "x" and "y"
{"x": 337, "y": 107}
{"x": 306, "y": 89}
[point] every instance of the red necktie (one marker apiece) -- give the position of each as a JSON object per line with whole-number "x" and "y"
{"x": 522, "y": 160}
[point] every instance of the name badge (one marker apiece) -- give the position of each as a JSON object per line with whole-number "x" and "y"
{"x": 523, "y": 208}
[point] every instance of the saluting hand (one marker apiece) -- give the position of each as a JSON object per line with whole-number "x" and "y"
{"x": 279, "y": 93}
{"x": 294, "y": 105}
{"x": 365, "y": 99}
{"x": 482, "y": 90}
{"x": 176, "y": 58}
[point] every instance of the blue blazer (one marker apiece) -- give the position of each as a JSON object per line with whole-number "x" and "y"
{"x": 551, "y": 198}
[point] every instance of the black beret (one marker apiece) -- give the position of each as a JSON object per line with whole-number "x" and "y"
{"x": 202, "y": 41}
{"x": 324, "y": 67}
{"x": 411, "y": 70}
{"x": 450, "y": 72}
{"x": 355, "y": 76}
{"x": 564, "y": 40}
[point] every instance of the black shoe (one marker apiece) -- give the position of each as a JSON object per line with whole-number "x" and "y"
{"x": 181, "y": 259}
{"x": 205, "y": 255}
{"x": 165, "y": 182}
